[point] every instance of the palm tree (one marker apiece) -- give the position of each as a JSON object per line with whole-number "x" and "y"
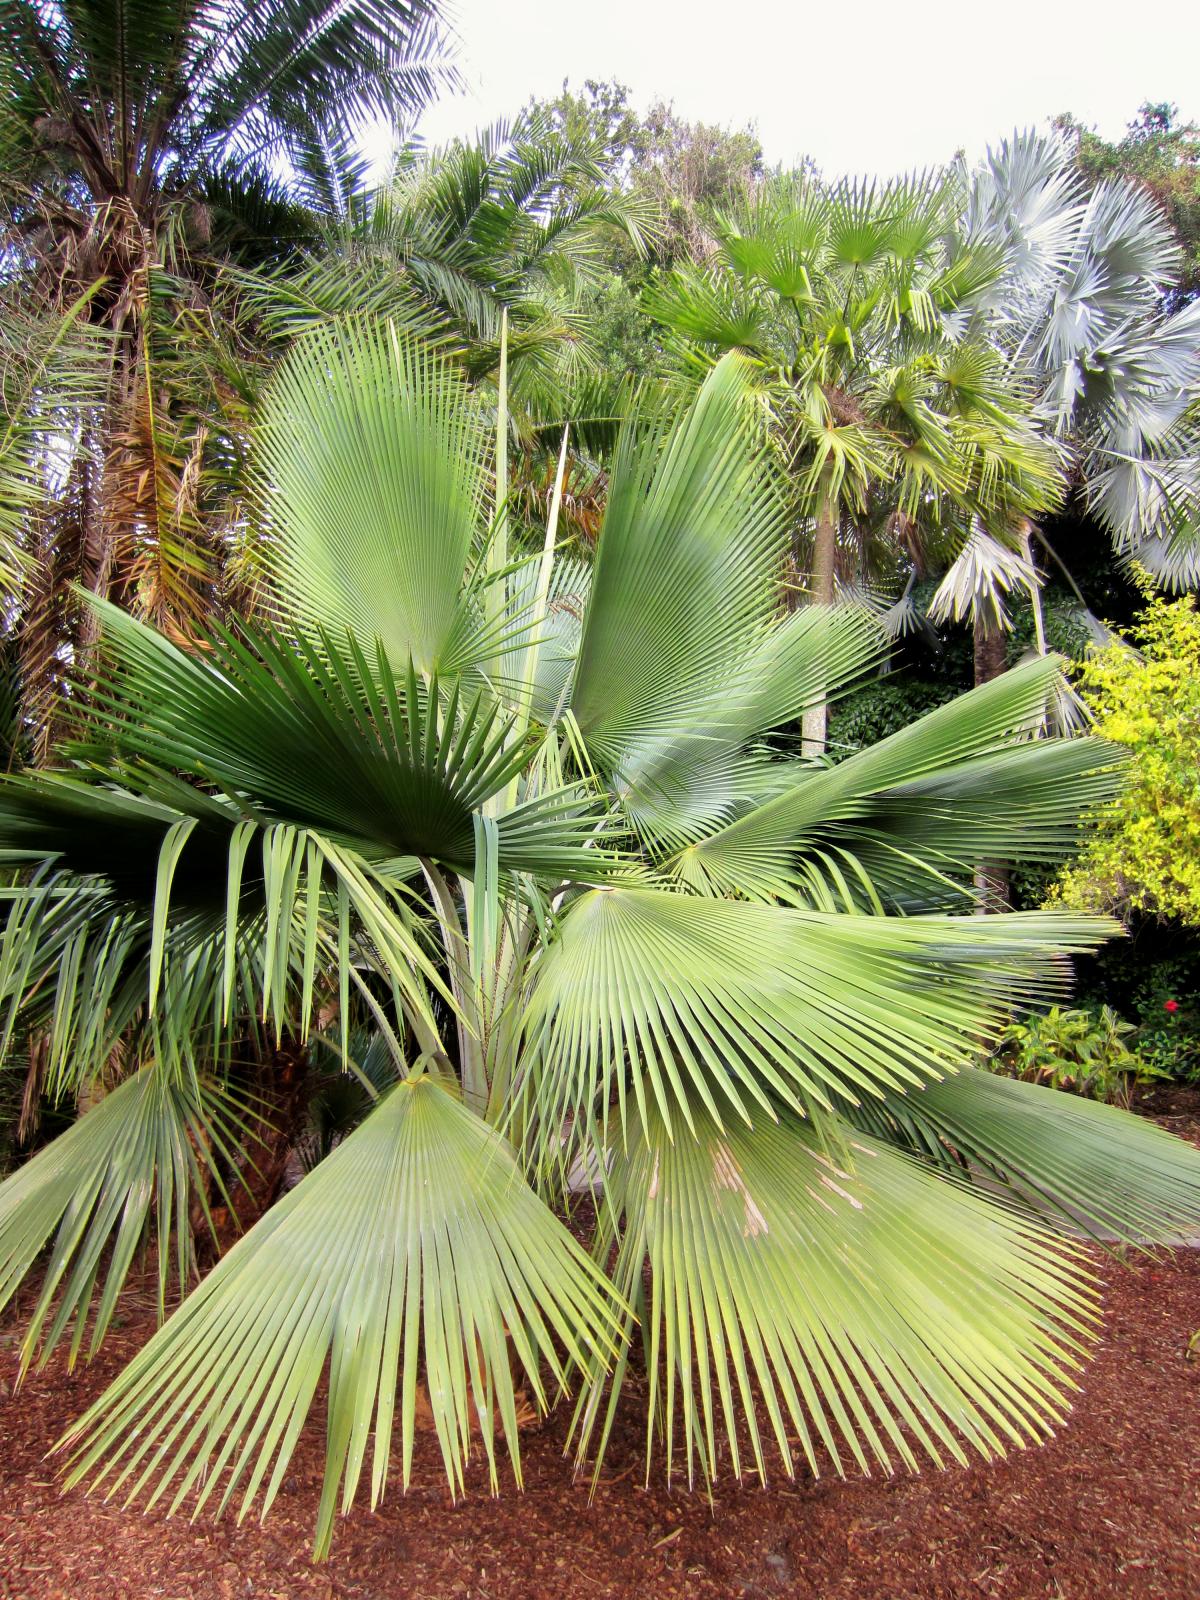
{"x": 489, "y": 247}
{"x": 889, "y": 421}
{"x": 508, "y": 225}
{"x": 521, "y": 821}
{"x": 1081, "y": 313}
{"x": 143, "y": 142}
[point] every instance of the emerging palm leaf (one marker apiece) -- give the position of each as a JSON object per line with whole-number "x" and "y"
{"x": 524, "y": 820}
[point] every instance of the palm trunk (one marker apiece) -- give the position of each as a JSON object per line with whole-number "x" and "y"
{"x": 991, "y": 880}
{"x": 814, "y": 724}
{"x": 989, "y": 649}
{"x": 1035, "y": 596}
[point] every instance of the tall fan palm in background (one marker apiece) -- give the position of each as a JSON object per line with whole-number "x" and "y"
{"x": 524, "y": 823}
{"x": 895, "y": 429}
{"x": 1081, "y": 313}
{"x": 142, "y": 144}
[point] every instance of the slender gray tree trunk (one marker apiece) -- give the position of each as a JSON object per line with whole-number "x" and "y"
{"x": 815, "y": 722}
{"x": 991, "y": 881}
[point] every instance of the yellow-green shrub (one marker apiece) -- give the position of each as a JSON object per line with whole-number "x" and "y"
{"x": 1144, "y": 854}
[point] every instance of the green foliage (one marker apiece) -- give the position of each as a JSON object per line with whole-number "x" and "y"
{"x": 144, "y": 145}
{"x": 897, "y": 430}
{"x": 1160, "y": 988}
{"x": 1063, "y": 621}
{"x": 882, "y": 708}
{"x": 678, "y": 170}
{"x": 685, "y": 169}
{"x": 1144, "y": 854}
{"x": 624, "y": 338}
{"x": 515, "y": 220}
{"x": 1088, "y": 1052}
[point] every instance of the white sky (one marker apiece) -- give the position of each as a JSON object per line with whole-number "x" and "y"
{"x": 861, "y": 85}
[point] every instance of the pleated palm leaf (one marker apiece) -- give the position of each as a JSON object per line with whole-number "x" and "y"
{"x": 526, "y": 819}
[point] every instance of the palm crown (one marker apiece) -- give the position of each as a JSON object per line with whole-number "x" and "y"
{"x": 896, "y": 427}
{"x": 527, "y": 821}
{"x": 852, "y": 299}
{"x": 1081, "y": 308}
{"x": 143, "y": 143}
{"x": 454, "y": 240}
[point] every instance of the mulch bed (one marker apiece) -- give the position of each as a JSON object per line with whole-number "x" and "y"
{"x": 1109, "y": 1508}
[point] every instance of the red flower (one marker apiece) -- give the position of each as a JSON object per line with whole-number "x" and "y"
{"x": 1170, "y": 1005}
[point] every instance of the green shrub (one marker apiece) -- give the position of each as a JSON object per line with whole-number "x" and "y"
{"x": 882, "y": 707}
{"x": 1087, "y": 1052}
{"x": 1144, "y": 854}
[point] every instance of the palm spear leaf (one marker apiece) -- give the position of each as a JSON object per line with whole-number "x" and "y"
{"x": 416, "y": 1241}
{"x": 871, "y": 1305}
{"x": 133, "y": 1160}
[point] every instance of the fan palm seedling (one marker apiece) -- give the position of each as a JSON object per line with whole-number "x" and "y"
{"x": 523, "y": 820}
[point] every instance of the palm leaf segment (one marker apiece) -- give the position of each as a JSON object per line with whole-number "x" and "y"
{"x": 854, "y": 1303}
{"x": 443, "y": 1254}
{"x": 386, "y": 807}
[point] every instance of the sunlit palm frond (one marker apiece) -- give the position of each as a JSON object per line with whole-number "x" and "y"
{"x": 862, "y": 1305}
{"x": 662, "y": 999}
{"x": 416, "y": 1244}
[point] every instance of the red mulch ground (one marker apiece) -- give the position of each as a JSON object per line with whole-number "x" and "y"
{"x": 1110, "y": 1508}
